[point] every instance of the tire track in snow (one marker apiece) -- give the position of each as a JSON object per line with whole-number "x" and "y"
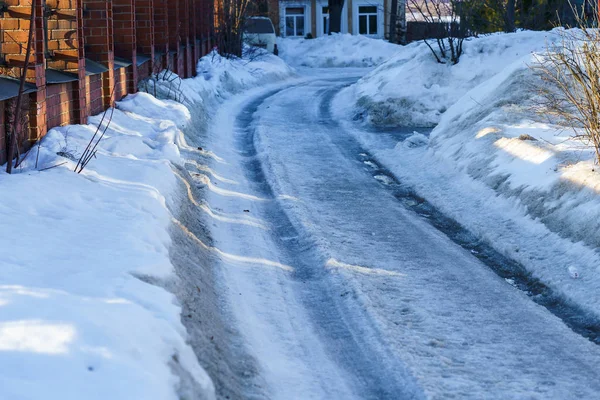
{"x": 374, "y": 375}
{"x": 514, "y": 273}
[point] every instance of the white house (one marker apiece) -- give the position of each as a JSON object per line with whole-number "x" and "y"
{"x": 298, "y": 18}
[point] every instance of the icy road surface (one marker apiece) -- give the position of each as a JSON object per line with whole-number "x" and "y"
{"x": 340, "y": 292}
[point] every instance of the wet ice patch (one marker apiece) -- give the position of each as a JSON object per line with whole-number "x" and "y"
{"x": 335, "y": 264}
{"x": 386, "y": 180}
{"x": 511, "y": 282}
{"x": 414, "y": 141}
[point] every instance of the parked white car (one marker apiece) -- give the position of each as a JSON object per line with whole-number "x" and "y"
{"x": 260, "y": 32}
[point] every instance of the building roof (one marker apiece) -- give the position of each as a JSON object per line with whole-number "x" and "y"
{"x": 122, "y": 63}
{"x": 141, "y": 58}
{"x": 93, "y": 67}
{"x": 54, "y": 76}
{"x": 9, "y": 88}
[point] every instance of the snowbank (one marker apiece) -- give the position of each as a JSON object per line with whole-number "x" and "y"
{"x": 523, "y": 185}
{"x": 338, "y": 50}
{"x": 78, "y": 318}
{"x": 219, "y": 77}
{"x": 412, "y": 89}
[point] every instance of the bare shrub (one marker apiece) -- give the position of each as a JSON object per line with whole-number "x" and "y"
{"x": 230, "y": 16}
{"x": 570, "y": 81}
{"x": 163, "y": 83}
{"x": 449, "y": 18}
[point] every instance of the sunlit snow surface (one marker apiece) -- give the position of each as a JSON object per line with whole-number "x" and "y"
{"x": 76, "y": 322}
{"x": 369, "y": 277}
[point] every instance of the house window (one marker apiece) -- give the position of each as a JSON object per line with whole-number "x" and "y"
{"x": 325, "y": 13}
{"x": 294, "y": 21}
{"x": 367, "y": 20}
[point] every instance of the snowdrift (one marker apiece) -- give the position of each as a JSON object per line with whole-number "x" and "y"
{"x": 337, "y": 50}
{"x": 79, "y": 317}
{"x": 503, "y": 171}
{"x": 412, "y": 89}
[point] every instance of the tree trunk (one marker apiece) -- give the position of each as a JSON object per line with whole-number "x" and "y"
{"x": 12, "y": 141}
{"x": 509, "y": 25}
{"x": 393, "y": 18}
{"x": 335, "y": 15}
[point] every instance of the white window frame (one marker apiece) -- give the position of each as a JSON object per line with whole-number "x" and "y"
{"x": 283, "y": 6}
{"x": 379, "y": 14}
{"x": 323, "y": 27}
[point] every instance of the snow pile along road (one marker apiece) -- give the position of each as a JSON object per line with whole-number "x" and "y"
{"x": 412, "y": 89}
{"x": 523, "y": 185}
{"x": 337, "y": 50}
{"x": 77, "y": 316}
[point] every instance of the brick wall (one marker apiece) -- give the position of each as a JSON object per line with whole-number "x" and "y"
{"x": 120, "y": 83}
{"x": 15, "y": 27}
{"x": 2, "y": 132}
{"x": 64, "y": 52}
{"x": 174, "y": 35}
{"x": 67, "y": 32}
{"x": 145, "y": 32}
{"x": 124, "y": 31}
{"x": 7, "y": 118}
{"x": 98, "y": 36}
{"x": 95, "y": 105}
{"x": 144, "y": 71}
{"x": 161, "y": 31}
{"x": 60, "y": 104}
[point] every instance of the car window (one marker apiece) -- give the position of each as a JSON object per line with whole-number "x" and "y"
{"x": 259, "y": 25}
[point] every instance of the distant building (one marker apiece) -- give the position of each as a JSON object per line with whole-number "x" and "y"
{"x": 298, "y": 18}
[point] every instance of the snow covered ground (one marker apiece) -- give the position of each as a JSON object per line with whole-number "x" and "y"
{"x": 505, "y": 173}
{"x": 412, "y": 89}
{"x": 79, "y": 313}
{"x": 338, "y": 50}
{"x": 77, "y": 316}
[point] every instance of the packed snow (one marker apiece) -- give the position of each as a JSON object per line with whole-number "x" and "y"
{"x": 413, "y": 89}
{"x": 79, "y": 317}
{"x": 534, "y": 187}
{"x": 404, "y": 310}
{"x": 337, "y": 50}
{"x": 81, "y": 309}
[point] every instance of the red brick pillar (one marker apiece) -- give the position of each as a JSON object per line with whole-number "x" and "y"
{"x": 175, "y": 35}
{"x": 98, "y": 39}
{"x": 37, "y": 110}
{"x": 80, "y": 90}
{"x": 124, "y": 27}
{"x": 195, "y": 35}
{"x": 144, "y": 17}
{"x": 15, "y": 26}
{"x": 161, "y": 33}
{"x": 184, "y": 31}
{"x": 208, "y": 17}
{"x": 65, "y": 49}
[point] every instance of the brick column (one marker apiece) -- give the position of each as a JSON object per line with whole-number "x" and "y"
{"x": 37, "y": 109}
{"x": 15, "y": 34}
{"x": 161, "y": 33}
{"x": 81, "y": 90}
{"x": 65, "y": 48}
{"x": 208, "y": 13}
{"x": 195, "y": 35}
{"x": 144, "y": 17}
{"x": 174, "y": 34}
{"x": 98, "y": 38}
{"x": 124, "y": 27}
{"x": 184, "y": 29}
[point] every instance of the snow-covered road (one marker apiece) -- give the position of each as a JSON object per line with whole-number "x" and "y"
{"x": 338, "y": 291}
